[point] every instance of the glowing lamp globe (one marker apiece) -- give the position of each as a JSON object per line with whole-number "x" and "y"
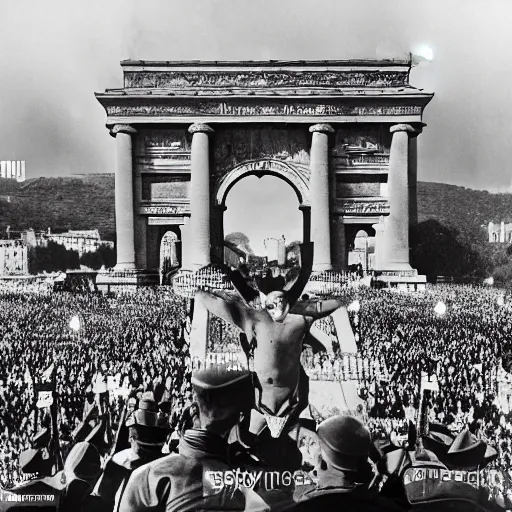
{"x": 440, "y": 308}
{"x": 354, "y": 306}
{"x": 74, "y": 323}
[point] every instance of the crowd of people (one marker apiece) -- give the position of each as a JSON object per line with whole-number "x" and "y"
{"x": 138, "y": 336}
{"x": 141, "y": 339}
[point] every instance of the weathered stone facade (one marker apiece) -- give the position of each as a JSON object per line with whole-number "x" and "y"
{"x": 341, "y": 134}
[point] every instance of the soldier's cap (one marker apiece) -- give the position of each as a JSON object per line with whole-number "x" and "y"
{"x": 32, "y": 461}
{"x": 219, "y": 377}
{"x": 82, "y": 463}
{"x": 345, "y": 442}
{"x": 97, "y": 435}
{"x": 41, "y": 439}
{"x": 466, "y": 451}
{"x": 148, "y": 417}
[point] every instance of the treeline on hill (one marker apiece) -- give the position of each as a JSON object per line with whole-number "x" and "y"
{"x": 451, "y": 238}
{"x": 60, "y": 204}
{"x": 55, "y": 257}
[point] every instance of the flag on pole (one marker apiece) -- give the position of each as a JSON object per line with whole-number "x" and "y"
{"x": 48, "y": 373}
{"x": 429, "y": 382}
{"x": 44, "y": 399}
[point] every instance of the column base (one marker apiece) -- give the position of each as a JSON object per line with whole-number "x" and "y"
{"x": 321, "y": 267}
{"x": 401, "y": 280}
{"x": 120, "y": 267}
{"x": 324, "y": 283}
{"x": 126, "y": 280}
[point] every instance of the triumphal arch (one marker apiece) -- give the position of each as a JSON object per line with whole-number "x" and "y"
{"x": 342, "y": 134}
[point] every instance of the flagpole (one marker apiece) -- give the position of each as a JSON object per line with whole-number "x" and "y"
{"x": 421, "y": 423}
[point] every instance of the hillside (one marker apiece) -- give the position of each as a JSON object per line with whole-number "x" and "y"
{"x": 463, "y": 208}
{"x": 87, "y": 201}
{"x": 81, "y": 202}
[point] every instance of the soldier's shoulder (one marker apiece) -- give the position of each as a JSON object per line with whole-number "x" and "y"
{"x": 172, "y": 464}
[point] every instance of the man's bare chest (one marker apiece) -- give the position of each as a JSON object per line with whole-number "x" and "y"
{"x": 265, "y": 330}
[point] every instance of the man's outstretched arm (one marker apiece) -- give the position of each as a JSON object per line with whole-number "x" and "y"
{"x": 317, "y": 309}
{"x": 223, "y": 306}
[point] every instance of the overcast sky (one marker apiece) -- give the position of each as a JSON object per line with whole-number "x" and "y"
{"x": 54, "y": 54}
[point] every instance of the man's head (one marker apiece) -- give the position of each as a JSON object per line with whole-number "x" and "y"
{"x": 345, "y": 447}
{"x": 223, "y": 396}
{"x": 147, "y": 425}
{"x": 277, "y": 306}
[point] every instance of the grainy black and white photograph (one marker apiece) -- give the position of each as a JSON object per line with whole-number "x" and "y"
{"x": 255, "y": 256}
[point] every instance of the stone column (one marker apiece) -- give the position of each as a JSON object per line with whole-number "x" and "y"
{"x": 125, "y": 245}
{"x": 379, "y": 235}
{"x": 185, "y": 244}
{"x": 395, "y": 255}
{"x": 319, "y": 197}
{"x": 200, "y": 196}
{"x": 413, "y": 179}
{"x": 339, "y": 245}
{"x": 140, "y": 226}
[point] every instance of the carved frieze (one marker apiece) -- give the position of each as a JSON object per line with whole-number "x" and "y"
{"x": 361, "y": 160}
{"x": 216, "y": 108}
{"x": 168, "y": 142}
{"x": 361, "y": 141}
{"x": 362, "y": 207}
{"x": 233, "y": 146}
{"x": 263, "y": 79}
{"x": 162, "y": 210}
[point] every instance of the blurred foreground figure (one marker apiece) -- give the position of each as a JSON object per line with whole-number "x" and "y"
{"x": 344, "y": 473}
{"x": 68, "y": 487}
{"x": 187, "y": 481}
{"x": 148, "y": 429}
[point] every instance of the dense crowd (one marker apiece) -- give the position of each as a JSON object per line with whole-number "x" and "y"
{"x": 462, "y": 348}
{"x": 140, "y": 338}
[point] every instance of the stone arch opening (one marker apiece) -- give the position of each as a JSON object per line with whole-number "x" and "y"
{"x": 361, "y": 246}
{"x": 269, "y": 242}
{"x": 169, "y": 253}
{"x": 296, "y": 175}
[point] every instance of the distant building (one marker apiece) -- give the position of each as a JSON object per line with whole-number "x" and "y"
{"x": 13, "y": 257}
{"x": 276, "y": 249}
{"x": 234, "y": 255}
{"x": 500, "y": 233}
{"x": 81, "y": 241}
{"x": 12, "y": 170}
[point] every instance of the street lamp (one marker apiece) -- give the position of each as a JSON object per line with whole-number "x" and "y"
{"x": 74, "y": 323}
{"x": 354, "y": 306}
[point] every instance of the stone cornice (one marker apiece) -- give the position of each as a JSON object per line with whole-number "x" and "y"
{"x": 319, "y": 108}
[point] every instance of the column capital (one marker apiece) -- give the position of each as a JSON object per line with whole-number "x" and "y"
{"x": 321, "y": 127}
{"x": 122, "y": 128}
{"x": 200, "y": 128}
{"x": 413, "y": 129}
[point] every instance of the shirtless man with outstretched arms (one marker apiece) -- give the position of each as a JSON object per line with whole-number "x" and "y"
{"x": 276, "y": 336}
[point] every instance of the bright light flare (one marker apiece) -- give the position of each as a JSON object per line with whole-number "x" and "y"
{"x": 424, "y": 52}
{"x": 74, "y": 323}
{"x": 440, "y": 308}
{"x": 354, "y": 306}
